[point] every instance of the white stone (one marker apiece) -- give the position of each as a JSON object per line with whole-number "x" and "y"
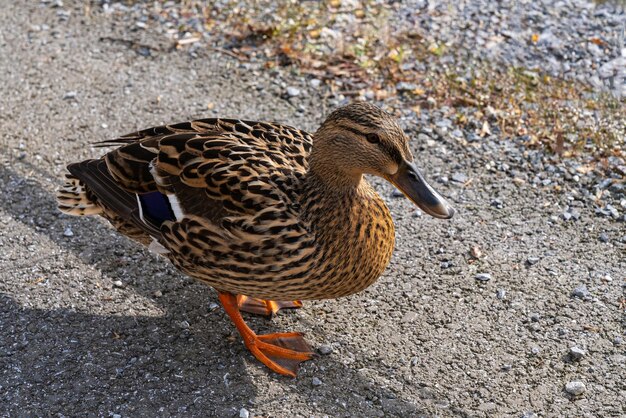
{"x": 293, "y": 91}
{"x": 576, "y": 353}
{"x": 575, "y": 388}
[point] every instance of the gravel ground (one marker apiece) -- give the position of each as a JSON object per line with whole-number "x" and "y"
{"x": 514, "y": 308}
{"x": 569, "y": 38}
{"x": 575, "y": 39}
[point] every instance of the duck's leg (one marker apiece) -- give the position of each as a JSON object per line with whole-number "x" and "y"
{"x": 281, "y": 352}
{"x": 265, "y": 307}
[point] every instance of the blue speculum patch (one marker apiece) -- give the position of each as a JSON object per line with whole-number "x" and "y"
{"x": 156, "y": 207}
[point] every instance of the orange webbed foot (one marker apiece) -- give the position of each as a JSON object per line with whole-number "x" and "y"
{"x": 265, "y": 307}
{"x": 282, "y": 352}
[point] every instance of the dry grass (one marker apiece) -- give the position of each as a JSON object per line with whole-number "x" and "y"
{"x": 566, "y": 117}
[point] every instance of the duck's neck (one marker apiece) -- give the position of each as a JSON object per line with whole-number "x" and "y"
{"x": 330, "y": 177}
{"x": 330, "y": 192}
{"x": 326, "y": 168}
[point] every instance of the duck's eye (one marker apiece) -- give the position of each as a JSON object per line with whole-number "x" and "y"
{"x": 373, "y": 138}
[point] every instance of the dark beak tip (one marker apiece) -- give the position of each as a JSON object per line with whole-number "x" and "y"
{"x": 444, "y": 212}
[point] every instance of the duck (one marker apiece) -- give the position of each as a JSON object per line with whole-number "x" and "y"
{"x": 267, "y": 214}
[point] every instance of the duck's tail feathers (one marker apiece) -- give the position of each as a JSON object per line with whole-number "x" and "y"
{"x": 108, "y": 194}
{"x": 74, "y": 199}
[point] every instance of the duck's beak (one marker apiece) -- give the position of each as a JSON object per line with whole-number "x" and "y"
{"x": 411, "y": 182}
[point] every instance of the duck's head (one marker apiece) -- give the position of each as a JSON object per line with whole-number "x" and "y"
{"x": 361, "y": 138}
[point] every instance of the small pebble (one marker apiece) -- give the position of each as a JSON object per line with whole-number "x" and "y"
{"x": 581, "y": 292}
{"x": 618, "y": 341}
{"x": 184, "y": 324}
{"x": 325, "y": 350}
{"x": 501, "y": 294}
{"x": 472, "y": 137}
{"x": 158, "y": 294}
{"x": 417, "y": 213}
{"x": 603, "y": 237}
{"x": 566, "y": 216}
{"x": 243, "y": 413}
{"x": 423, "y": 138}
{"x": 143, "y": 51}
{"x": 535, "y": 351}
{"x": 316, "y": 381}
{"x": 213, "y": 306}
{"x": 293, "y": 91}
{"x": 535, "y": 317}
{"x": 68, "y": 232}
{"x": 69, "y": 95}
{"x": 483, "y": 277}
{"x": 459, "y": 178}
{"x": 116, "y": 416}
{"x": 397, "y": 193}
{"x": 576, "y": 353}
{"x": 118, "y": 283}
{"x": 531, "y": 261}
{"x": 444, "y": 124}
{"x": 476, "y": 252}
{"x": 403, "y": 86}
{"x": 315, "y": 83}
{"x": 575, "y": 388}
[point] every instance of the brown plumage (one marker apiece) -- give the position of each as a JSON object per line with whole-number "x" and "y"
{"x": 259, "y": 209}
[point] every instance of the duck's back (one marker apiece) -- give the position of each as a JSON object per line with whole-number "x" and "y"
{"x": 214, "y": 145}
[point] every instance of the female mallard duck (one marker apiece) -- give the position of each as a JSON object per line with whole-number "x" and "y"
{"x": 259, "y": 209}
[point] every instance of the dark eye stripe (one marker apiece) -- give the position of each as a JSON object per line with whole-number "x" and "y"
{"x": 373, "y": 138}
{"x": 354, "y": 130}
{"x": 391, "y": 151}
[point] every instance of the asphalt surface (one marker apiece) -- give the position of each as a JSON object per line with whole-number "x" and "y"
{"x": 91, "y": 324}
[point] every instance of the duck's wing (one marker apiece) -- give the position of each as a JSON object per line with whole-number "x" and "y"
{"x": 234, "y": 195}
{"x": 214, "y": 189}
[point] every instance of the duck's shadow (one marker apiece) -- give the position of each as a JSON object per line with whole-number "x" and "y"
{"x": 188, "y": 361}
